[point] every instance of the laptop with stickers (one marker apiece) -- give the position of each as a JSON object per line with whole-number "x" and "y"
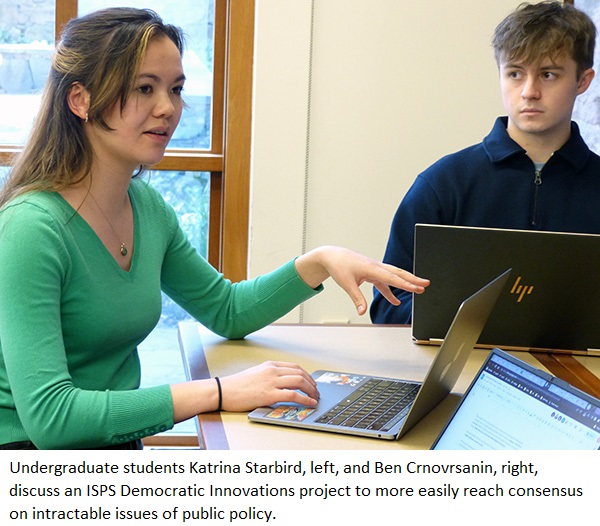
{"x": 386, "y": 408}
{"x": 513, "y": 405}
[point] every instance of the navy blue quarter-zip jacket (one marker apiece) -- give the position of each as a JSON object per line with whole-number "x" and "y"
{"x": 494, "y": 184}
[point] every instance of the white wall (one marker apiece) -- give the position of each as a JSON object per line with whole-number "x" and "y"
{"x": 394, "y": 85}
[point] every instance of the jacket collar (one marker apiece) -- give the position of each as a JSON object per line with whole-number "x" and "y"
{"x": 500, "y": 147}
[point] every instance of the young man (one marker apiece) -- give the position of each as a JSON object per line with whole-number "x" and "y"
{"x": 533, "y": 171}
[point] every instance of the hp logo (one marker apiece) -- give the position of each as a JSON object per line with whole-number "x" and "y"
{"x": 521, "y": 290}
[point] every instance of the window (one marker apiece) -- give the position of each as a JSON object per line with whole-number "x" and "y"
{"x": 26, "y": 44}
{"x": 212, "y": 141}
{"x": 27, "y": 32}
{"x": 587, "y": 110}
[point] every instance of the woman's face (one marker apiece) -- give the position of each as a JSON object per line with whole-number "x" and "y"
{"x": 141, "y": 131}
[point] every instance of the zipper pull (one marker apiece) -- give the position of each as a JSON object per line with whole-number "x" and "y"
{"x": 538, "y": 177}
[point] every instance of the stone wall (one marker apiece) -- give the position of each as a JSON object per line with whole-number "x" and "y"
{"x": 587, "y": 107}
{"x": 26, "y": 44}
{"x": 27, "y": 21}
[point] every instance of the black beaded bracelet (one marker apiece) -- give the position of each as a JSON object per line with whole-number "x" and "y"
{"x": 220, "y": 393}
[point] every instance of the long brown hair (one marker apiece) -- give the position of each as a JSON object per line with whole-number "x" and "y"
{"x": 103, "y": 51}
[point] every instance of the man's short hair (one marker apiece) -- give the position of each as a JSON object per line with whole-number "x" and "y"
{"x": 548, "y": 29}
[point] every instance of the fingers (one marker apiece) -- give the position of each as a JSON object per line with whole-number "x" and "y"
{"x": 372, "y": 271}
{"x": 350, "y": 270}
{"x": 291, "y": 377}
{"x": 290, "y": 369}
{"x": 359, "y": 300}
{"x": 382, "y": 276}
{"x": 268, "y": 384}
{"x": 403, "y": 279}
{"x": 350, "y": 287}
{"x": 387, "y": 293}
{"x": 294, "y": 397}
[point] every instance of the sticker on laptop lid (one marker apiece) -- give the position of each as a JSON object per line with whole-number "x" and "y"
{"x": 340, "y": 379}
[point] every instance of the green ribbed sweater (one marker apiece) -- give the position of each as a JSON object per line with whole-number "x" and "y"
{"x": 71, "y": 319}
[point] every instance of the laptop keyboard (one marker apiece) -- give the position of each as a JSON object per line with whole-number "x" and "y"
{"x": 377, "y": 405}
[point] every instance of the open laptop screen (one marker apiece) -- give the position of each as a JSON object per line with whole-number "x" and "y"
{"x": 512, "y": 405}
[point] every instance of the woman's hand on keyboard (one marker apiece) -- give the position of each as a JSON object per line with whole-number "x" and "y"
{"x": 267, "y": 384}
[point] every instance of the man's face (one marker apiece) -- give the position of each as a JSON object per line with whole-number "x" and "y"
{"x": 539, "y": 97}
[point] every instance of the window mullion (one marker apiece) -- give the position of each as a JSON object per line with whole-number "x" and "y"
{"x": 65, "y": 10}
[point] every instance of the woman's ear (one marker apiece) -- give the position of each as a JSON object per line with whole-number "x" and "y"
{"x": 78, "y": 99}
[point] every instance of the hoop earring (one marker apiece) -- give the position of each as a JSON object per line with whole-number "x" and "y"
{"x": 87, "y": 118}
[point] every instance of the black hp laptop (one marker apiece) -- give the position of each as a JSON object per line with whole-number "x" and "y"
{"x": 512, "y": 405}
{"x": 551, "y": 303}
{"x": 378, "y": 407}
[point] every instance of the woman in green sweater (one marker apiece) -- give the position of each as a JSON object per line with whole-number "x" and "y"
{"x": 85, "y": 249}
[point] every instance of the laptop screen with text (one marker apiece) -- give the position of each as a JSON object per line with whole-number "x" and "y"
{"x": 512, "y": 405}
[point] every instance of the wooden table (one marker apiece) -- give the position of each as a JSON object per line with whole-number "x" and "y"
{"x": 367, "y": 349}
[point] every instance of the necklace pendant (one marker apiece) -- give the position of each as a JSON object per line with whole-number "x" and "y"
{"x": 123, "y": 250}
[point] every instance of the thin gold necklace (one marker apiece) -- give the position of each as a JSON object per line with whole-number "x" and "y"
{"x": 122, "y": 249}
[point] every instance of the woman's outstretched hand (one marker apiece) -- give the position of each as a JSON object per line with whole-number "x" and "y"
{"x": 350, "y": 270}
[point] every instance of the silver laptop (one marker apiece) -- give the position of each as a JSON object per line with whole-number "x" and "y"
{"x": 379, "y": 407}
{"x": 552, "y": 302}
{"x": 512, "y": 405}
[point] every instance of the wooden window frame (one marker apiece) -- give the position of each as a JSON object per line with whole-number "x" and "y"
{"x": 228, "y": 159}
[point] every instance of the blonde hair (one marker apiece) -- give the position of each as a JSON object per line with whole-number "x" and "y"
{"x": 103, "y": 51}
